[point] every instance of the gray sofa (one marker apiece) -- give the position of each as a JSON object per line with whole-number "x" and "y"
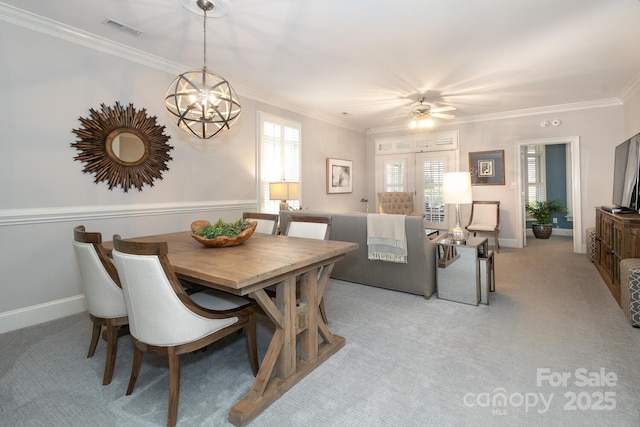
{"x": 417, "y": 276}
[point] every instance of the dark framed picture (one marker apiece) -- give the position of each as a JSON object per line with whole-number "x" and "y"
{"x": 487, "y": 167}
{"x": 339, "y": 173}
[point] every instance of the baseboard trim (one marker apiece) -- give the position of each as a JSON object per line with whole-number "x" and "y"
{"x": 36, "y": 314}
{"x": 556, "y": 231}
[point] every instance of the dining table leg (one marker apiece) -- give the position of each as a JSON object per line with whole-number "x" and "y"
{"x": 291, "y": 318}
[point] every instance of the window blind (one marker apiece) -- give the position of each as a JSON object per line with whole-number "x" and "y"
{"x": 280, "y": 157}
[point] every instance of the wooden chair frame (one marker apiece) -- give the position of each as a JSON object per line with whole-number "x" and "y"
{"x": 246, "y": 321}
{"x": 496, "y": 229}
{"x": 114, "y": 327}
{"x": 311, "y": 218}
{"x": 263, "y": 216}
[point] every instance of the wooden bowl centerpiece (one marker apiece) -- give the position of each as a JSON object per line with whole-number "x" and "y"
{"x": 222, "y": 234}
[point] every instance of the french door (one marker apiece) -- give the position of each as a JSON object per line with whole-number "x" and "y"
{"x": 420, "y": 173}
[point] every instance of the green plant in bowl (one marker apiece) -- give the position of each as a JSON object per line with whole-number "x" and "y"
{"x": 222, "y": 234}
{"x": 221, "y": 228}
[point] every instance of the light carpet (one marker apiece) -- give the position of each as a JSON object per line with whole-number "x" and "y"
{"x": 407, "y": 362}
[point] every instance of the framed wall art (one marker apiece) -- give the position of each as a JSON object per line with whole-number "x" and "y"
{"x": 487, "y": 167}
{"x": 339, "y": 173}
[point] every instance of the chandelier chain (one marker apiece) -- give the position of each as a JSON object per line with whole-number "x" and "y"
{"x": 204, "y": 67}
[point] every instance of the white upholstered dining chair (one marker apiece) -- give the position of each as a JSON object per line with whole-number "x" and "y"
{"x": 311, "y": 227}
{"x": 485, "y": 218}
{"x": 103, "y": 294}
{"x": 267, "y": 223}
{"x": 164, "y": 320}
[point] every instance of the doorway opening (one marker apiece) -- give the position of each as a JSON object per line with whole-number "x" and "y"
{"x": 573, "y": 163}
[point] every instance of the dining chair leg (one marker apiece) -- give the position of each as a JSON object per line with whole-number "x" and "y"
{"x": 135, "y": 368}
{"x": 252, "y": 345}
{"x": 95, "y": 336}
{"x": 174, "y": 386}
{"x": 112, "y": 349}
{"x": 497, "y": 243}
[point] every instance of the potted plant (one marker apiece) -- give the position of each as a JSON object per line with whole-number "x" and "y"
{"x": 541, "y": 212}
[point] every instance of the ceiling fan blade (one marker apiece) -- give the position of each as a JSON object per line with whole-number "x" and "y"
{"x": 443, "y": 109}
{"x": 443, "y": 116}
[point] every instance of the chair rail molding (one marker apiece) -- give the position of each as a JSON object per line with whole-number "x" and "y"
{"x": 10, "y": 217}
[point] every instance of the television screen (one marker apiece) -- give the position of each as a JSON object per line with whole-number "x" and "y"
{"x": 625, "y": 174}
{"x": 619, "y": 171}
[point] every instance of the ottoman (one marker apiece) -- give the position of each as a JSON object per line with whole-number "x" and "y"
{"x": 630, "y": 289}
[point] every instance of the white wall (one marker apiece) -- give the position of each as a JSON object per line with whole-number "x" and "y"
{"x": 632, "y": 114}
{"x": 599, "y": 129}
{"x": 47, "y": 84}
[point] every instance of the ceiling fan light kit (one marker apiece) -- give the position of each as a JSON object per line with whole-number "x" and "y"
{"x": 421, "y": 115}
{"x": 421, "y": 122}
{"x": 204, "y": 102}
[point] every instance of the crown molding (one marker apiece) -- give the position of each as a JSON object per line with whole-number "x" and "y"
{"x": 631, "y": 90}
{"x": 549, "y": 109}
{"x": 71, "y": 34}
{"x": 50, "y": 27}
{"x": 65, "y": 32}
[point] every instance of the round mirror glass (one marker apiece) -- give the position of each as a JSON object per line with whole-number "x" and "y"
{"x": 127, "y": 147}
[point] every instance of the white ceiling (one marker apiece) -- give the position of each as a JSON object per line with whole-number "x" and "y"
{"x": 365, "y": 63}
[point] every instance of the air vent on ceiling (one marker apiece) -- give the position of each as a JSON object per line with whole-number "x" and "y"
{"x": 122, "y": 27}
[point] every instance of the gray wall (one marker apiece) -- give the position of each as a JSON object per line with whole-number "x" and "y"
{"x": 600, "y": 130}
{"x": 47, "y": 84}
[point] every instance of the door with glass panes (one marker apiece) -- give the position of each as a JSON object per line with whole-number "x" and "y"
{"x": 420, "y": 173}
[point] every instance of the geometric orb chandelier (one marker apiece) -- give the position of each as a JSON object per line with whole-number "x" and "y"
{"x": 204, "y": 102}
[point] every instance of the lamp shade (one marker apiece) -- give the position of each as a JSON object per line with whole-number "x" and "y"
{"x": 456, "y": 188}
{"x": 283, "y": 191}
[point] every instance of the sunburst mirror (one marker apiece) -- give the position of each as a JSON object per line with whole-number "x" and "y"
{"x": 122, "y": 146}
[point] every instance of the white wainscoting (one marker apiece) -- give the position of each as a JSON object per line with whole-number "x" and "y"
{"x": 40, "y": 277}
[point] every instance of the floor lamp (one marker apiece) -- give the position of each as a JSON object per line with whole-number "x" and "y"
{"x": 456, "y": 189}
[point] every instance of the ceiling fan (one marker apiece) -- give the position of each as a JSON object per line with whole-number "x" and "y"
{"x": 422, "y": 113}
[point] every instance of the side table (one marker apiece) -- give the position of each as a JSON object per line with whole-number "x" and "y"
{"x": 459, "y": 272}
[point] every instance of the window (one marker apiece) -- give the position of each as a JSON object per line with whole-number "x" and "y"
{"x": 395, "y": 175}
{"x": 536, "y": 185}
{"x": 279, "y": 142}
{"x": 432, "y": 173}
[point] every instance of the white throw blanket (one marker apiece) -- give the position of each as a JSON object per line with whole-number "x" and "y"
{"x": 386, "y": 238}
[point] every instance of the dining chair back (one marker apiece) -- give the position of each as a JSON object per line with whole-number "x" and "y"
{"x": 267, "y": 223}
{"x": 485, "y": 217}
{"x": 103, "y": 294}
{"x": 311, "y": 227}
{"x": 165, "y": 320}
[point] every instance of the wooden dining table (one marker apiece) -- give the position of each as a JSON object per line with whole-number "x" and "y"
{"x": 289, "y": 263}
